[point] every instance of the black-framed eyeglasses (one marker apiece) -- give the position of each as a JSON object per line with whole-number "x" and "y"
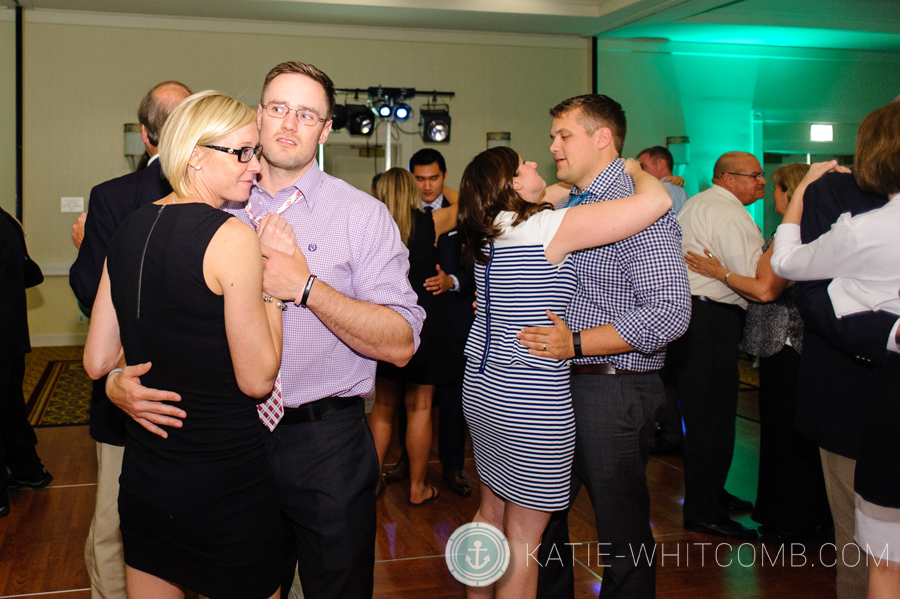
{"x": 243, "y": 154}
{"x": 304, "y": 116}
{"x": 756, "y": 176}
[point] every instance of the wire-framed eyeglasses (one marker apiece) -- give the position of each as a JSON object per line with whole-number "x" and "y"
{"x": 243, "y": 154}
{"x": 754, "y": 175}
{"x": 304, "y": 116}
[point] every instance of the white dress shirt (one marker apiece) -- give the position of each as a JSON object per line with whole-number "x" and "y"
{"x": 717, "y": 221}
{"x": 860, "y": 253}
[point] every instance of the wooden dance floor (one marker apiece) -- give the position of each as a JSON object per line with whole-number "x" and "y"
{"x": 42, "y": 540}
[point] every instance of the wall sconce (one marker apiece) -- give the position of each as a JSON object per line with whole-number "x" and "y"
{"x": 499, "y": 139}
{"x": 680, "y": 147}
{"x": 134, "y": 144}
{"x": 820, "y": 132}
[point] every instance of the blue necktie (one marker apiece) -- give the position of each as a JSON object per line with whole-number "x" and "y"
{"x": 575, "y": 199}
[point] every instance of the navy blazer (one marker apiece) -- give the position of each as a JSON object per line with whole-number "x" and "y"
{"x": 110, "y": 204}
{"x": 457, "y": 303}
{"x": 842, "y": 358}
{"x": 14, "y": 340}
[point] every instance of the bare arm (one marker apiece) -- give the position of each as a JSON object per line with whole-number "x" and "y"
{"x": 764, "y": 286}
{"x": 602, "y": 223}
{"x": 445, "y": 219}
{"x": 232, "y": 267}
{"x": 373, "y": 330}
{"x": 556, "y": 194}
{"x": 103, "y": 349}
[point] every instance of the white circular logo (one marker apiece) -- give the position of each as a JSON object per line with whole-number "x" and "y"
{"x": 477, "y": 554}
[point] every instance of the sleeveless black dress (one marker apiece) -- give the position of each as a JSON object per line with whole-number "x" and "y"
{"x": 199, "y": 508}
{"x": 432, "y": 364}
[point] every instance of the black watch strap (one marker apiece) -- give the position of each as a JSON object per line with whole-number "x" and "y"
{"x": 576, "y": 341}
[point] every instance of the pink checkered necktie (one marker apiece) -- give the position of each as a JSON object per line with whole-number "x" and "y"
{"x": 271, "y": 411}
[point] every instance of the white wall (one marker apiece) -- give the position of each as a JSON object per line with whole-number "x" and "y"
{"x": 85, "y": 74}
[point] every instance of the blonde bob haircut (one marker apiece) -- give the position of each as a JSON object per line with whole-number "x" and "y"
{"x": 199, "y": 120}
{"x": 789, "y": 176}
{"x": 398, "y": 190}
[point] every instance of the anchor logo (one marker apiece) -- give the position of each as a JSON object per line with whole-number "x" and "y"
{"x": 477, "y": 549}
{"x": 477, "y": 554}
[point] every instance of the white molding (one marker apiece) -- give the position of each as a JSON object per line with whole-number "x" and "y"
{"x": 614, "y": 44}
{"x": 55, "y": 269}
{"x": 58, "y": 340}
{"x": 487, "y": 38}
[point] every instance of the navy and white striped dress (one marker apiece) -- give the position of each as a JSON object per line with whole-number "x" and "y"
{"x": 517, "y": 405}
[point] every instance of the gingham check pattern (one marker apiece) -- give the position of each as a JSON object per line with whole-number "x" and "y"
{"x": 352, "y": 244}
{"x": 639, "y": 284}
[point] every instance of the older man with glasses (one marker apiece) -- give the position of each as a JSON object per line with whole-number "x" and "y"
{"x": 716, "y": 221}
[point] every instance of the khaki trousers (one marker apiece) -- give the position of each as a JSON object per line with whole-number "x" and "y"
{"x": 852, "y": 569}
{"x": 103, "y": 554}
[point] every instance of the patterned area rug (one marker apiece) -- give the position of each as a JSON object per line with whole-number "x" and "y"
{"x": 60, "y": 389}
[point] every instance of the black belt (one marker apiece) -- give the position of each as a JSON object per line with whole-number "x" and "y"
{"x": 310, "y": 412}
{"x": 603, "y": 369}
{"x": 732, "y": 307}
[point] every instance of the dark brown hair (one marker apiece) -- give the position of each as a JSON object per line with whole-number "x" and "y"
{"x": 302, "y": 68}
{"x": 659, "y": 152}
{"x": 877, "y": 162}
{"x": 486, "y": 190}
{"x": 156, "y": 107}
{"x": 596, "y": 111}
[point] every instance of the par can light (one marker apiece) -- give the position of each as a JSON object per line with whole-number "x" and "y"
{"x": 402, "y": 111}
{"x": 434, "y": 125}
{"x": 360, "y": 120}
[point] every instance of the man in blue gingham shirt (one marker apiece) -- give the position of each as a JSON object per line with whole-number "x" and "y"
{"x": 632, "y": 299}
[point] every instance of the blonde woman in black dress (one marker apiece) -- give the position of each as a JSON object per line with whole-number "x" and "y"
{"x": 182, "y": 290}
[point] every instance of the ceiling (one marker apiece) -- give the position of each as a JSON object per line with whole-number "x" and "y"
{"x": 856, "y": 24}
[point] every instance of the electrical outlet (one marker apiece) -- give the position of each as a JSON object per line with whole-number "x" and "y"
{"x": 81, "y": 319}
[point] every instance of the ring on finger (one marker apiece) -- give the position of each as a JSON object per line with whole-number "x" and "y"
{"x": 544, "y": 345}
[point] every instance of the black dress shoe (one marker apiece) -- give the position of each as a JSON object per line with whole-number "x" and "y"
{"x": 660, "y": 447}
{"x": 38, "y": 482}
{"x": 734, "y": 504}
{"x": 728, "y": 529}
{"x": 399, "y": 471}
{"x": 458, "y": 482}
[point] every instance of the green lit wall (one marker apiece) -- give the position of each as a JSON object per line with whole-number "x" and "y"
{"x": 734, "y": 97}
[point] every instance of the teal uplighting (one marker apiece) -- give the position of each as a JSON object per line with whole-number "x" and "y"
{"x": 760, "y": 35}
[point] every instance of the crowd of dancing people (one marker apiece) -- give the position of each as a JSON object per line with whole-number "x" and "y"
{"x": 233, "y": 442}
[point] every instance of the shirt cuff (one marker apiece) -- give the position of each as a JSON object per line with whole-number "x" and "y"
{"x": 892, "y": 340}
{"x": 455, "y": 283}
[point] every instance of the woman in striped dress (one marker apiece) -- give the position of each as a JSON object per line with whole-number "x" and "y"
{"x": 517, "y": 405}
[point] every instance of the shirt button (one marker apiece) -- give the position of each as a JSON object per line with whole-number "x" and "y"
{"x": 312, "y": 247}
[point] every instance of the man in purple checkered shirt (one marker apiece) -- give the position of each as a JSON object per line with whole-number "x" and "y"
{"x": 349, "y": 305}
{"x": 631, "y": 301}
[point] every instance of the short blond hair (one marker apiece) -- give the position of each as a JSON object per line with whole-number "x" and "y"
{"x": 398, "y": 190}
{"x": 199, "y": 120}
{"x": 789, "y": 176}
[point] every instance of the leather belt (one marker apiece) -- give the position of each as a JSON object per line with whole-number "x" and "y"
{"x": 603, "y": 369}
{"x": 314, "y": 410}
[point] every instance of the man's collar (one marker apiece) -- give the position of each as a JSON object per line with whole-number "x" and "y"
{"x": 724, "y": 192}
{"x": 308, "y": 184}
{"x": 601, "y": 182}
{"x": 437, "y": 203}
{"x": 152, "y": 159}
